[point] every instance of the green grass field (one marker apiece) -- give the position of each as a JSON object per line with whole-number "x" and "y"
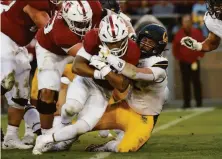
{"x": 192, "y": 134}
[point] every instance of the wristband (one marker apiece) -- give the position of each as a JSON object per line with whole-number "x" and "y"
{"x": 105, "y": 70}
{"x": 199, "y": 46}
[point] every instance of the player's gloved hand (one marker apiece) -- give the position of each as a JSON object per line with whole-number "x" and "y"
{"x": 104, "y": 52}
{"x": 116, "y": 62}
{"x": 113, "y": 60}
{"x": 191, "y": 43}
{"x": 103, "y": 68}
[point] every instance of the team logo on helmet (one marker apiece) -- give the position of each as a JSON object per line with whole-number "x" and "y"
{"x": 165, "y": 37}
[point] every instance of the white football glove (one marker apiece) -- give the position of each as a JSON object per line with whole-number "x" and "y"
{"x": 113, "y": 60}
{"x": 103, "y": 68}
{"x": 104, "y": 52}
{"x": 116, "y": 62}
{"x": 191, "y": 43}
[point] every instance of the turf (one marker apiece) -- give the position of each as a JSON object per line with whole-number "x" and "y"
{"x": 194, "y": 138}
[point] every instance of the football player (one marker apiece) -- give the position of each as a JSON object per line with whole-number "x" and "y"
{"x": 57, "y": 42}
{"x": 213, "y": 21}
{"x": 4, "y": 5}
{"x": 19, "y": 26}
{"x": 137, "y": 114}
{"x": 89, "y": 92}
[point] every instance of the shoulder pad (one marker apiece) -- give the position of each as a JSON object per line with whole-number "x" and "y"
{"x": 213, "y": 25}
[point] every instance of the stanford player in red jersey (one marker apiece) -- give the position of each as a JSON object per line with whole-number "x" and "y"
{"x": 61, "y": 37}
{"x": 86, "y": 96}
{"x": 19, "y": 26}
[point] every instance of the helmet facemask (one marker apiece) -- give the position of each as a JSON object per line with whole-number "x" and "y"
{"x": 55, "y": 1}
{"x": 118, "y": 48}
{"x": 79, "y": 28}
{"x": 147, "y": 45}
{"x": 215, "y": 9}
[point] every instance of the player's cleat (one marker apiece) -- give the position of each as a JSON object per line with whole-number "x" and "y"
{"x": 28, "y": 139}
{"x": 43, "y": 144}
{"x": 13, "y": 142}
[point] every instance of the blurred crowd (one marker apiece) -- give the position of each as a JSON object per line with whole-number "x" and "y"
{"x": 168, "y": 12}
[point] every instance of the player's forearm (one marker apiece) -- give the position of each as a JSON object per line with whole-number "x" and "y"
{"x": 83, "y": 69}
{"x": 209, "y": 45}
{"x": 118, "y": 81}
{"x": 40, "y": 18}
{"x": 137, "y": 74}
{"x": 129, "y": 70}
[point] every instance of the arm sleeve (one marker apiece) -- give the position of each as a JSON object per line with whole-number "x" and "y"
{"x": 158, "y": 73}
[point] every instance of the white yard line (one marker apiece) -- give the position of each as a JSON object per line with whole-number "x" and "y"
{"x": 187, "y": 110}
{"x": 100, "y": 155}
{"x": 174, "y": 122}
{"x": 198, "y": 111}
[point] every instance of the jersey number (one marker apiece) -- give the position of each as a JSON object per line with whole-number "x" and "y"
{"x": 49, "y": 26}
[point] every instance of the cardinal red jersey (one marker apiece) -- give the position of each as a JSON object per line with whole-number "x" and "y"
{"x": 18, "y": 25}
{"x": 6, "y": 2}
{"x": 92, "y": 42}
{"x": 57, "y": 38}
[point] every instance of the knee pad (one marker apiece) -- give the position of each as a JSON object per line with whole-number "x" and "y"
{"x": 71, "y": 107}
{"x": 20, "y": 101}
{"x": 46, "y": 108}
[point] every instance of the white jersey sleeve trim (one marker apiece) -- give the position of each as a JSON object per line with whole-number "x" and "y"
{"x": 66, "y": 50}
{"x": 82, "y": 52}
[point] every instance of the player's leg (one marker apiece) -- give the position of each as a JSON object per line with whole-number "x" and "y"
{"x": 77, "y": 95}
{"x": 19, "y": 100}
{"x": 8, "y": 64}
{"x": 67, "y": 77}
{"x": 186, "y": 82}
{"x": 34, "y": 89}
{"x": 50, "y": 68}
{"x": 137, "y": 130}
{"x": 87, "y": 118}
{"x": 28, "y": 138}
{"x": 59, "y": 104}
{"x": 134, "y": 140}
{"x": 195, "y": 76}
